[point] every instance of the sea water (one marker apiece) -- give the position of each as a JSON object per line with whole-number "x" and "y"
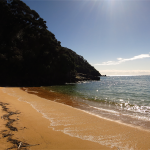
{"x": 122, "y": 98}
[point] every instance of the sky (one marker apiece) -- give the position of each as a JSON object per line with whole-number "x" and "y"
{"x": 112, "y": 35}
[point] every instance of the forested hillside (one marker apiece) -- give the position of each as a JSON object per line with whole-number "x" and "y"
{"x": 30, "y": 55}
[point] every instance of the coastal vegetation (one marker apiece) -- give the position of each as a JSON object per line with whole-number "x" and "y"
{"x": 30, "y": 55}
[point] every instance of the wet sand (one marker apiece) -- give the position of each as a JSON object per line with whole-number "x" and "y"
{"x": 33, "y": 128}
{"x": 86, "y": 131}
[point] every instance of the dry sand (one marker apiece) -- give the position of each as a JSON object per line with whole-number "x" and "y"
{"x": 36, "y": 130}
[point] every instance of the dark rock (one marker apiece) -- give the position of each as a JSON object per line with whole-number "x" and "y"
{"x": 85, "y": 77}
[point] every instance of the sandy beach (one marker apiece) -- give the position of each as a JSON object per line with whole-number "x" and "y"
{"x": 33, "y": 129}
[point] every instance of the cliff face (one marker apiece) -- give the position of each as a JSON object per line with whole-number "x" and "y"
{"x": 30, "y": 55}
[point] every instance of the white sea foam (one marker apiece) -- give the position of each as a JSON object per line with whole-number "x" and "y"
{"x": 107, "y": 110}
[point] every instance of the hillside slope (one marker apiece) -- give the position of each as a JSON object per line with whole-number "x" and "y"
{"x": 30, "y": 55}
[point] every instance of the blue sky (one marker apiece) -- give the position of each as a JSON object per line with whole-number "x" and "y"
{"x": 112, "y": 35}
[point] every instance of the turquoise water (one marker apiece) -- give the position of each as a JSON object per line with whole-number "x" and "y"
{"x": 123, "y": 98}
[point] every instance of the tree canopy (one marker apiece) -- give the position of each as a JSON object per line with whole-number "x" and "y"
{"x": 30, "y": 55}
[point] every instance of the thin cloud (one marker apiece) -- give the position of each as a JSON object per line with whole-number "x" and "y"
{"x": 125, "y": 72}
{"x": 121, "y": 60}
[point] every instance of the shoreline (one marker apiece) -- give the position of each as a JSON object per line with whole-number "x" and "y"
{"x": 88, "y": 108}
{"x": 36, "y": 130}
{"x": 67, "y": 127}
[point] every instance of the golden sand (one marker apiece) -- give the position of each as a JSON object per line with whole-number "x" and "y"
{"x": 43, "y": 133}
